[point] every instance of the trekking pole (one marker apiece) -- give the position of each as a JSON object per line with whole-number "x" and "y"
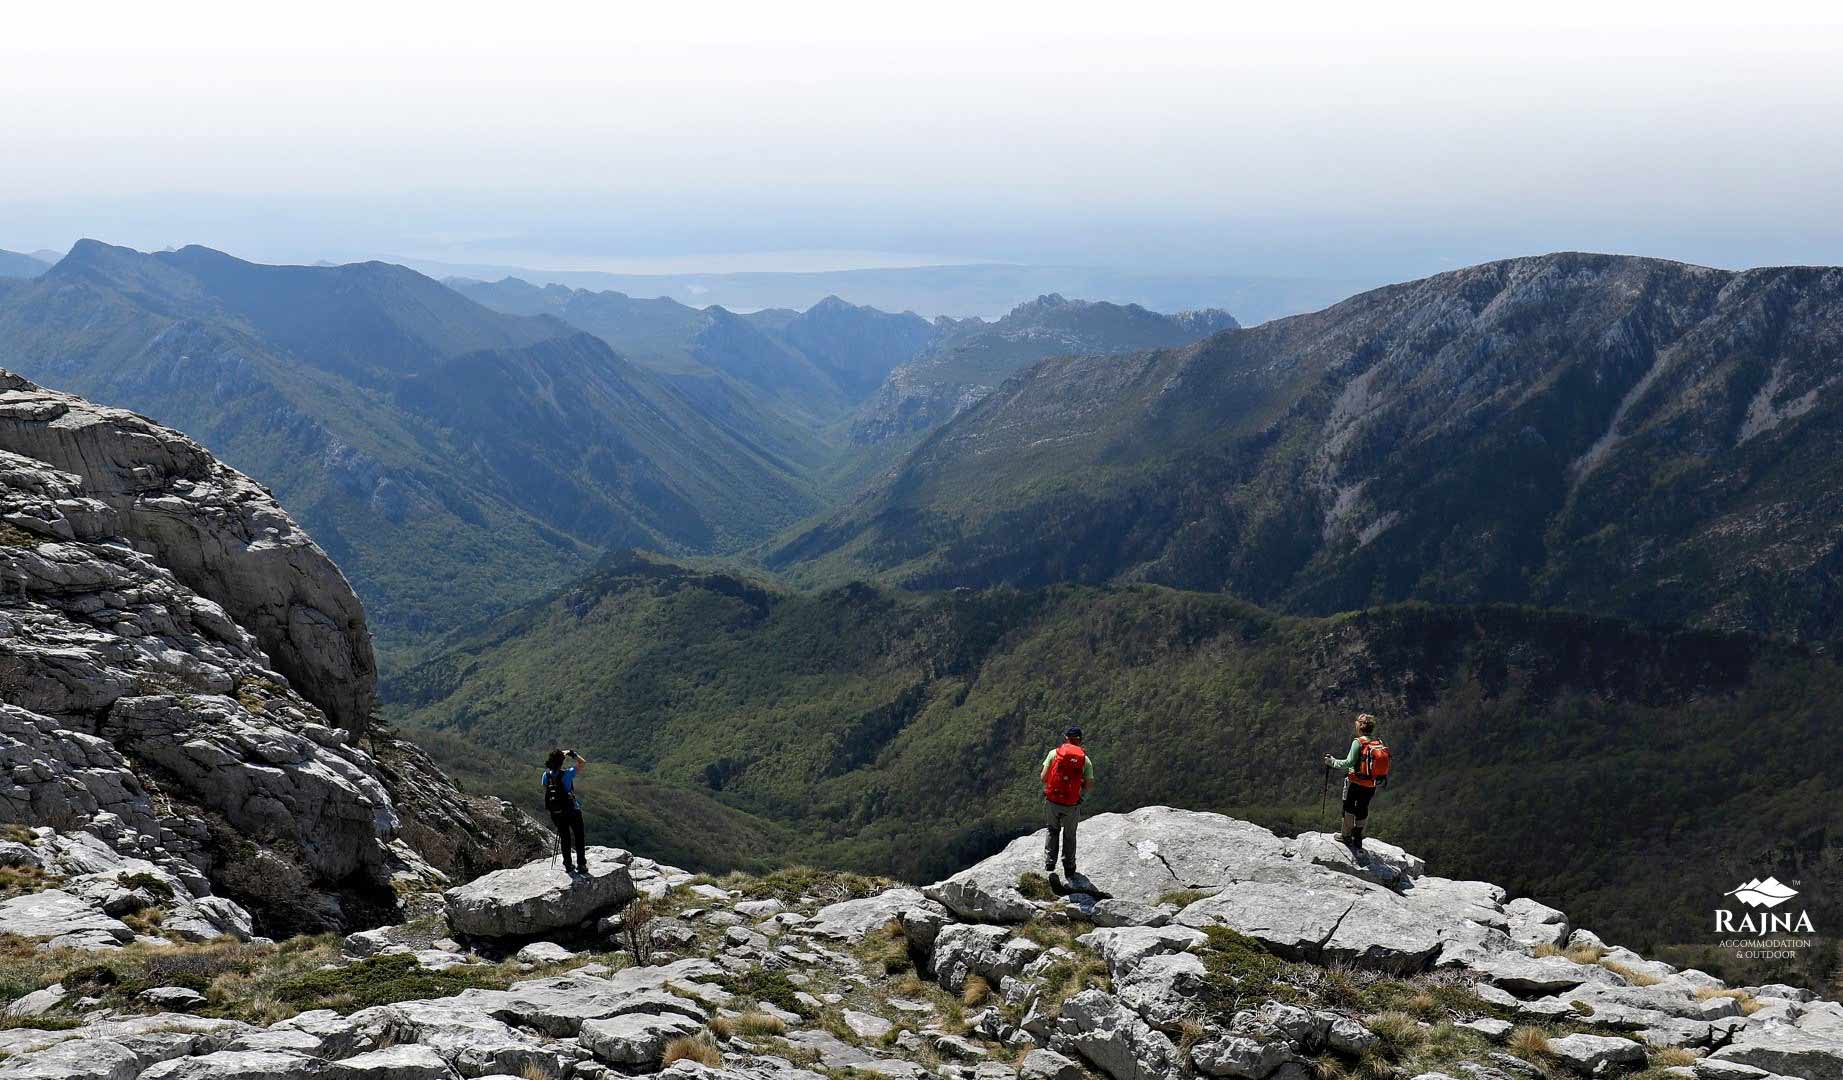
{"x": 1324, "y": 794}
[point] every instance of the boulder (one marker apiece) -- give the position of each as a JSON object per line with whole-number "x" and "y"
{"x": 990, "y": 952}
{"x": 1163, "y": 989}
{"x": 1112, "y": 1038}
{"x": 1048, "y": 1065}
{"x": 1533, "y": 924}
{"x": 1123, "y": 947}
{"x": 852, "y": 920}
{"x": 393, "y": 1063}
{"x": 1532, "y": 975}
{"x": 173, "y": 998}
{"x": 1240, "y": 1056}
{"x": 37, "y": 1003}
{"x": 865, "y": 1025}
{"x": 543, "y": 952}
{"x": 56, "y": 914}
{"x": 540, "y": 896}
{"x": 634, "y": 1038}
{"x": 1140, "y": 856}
{"x": 1597, "y": 1055}
{"x": 76, "y": 1059}
{"x": 1128, "y": 913}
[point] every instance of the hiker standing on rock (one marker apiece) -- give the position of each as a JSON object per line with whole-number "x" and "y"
{"x": 565, "y": 809}
{"x": 1068, "y": 772}
{"x": 1365, "y": 767}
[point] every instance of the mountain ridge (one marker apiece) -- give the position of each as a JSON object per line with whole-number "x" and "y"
{"x": 1363, "y": 453}
{"x": 315, "y": 377}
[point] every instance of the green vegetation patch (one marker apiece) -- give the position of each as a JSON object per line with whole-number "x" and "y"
{"x": 384, "y": 980}
{"x": 765, "y": 987}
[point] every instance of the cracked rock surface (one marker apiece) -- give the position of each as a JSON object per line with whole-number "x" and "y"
{"x": 185, "y": 683}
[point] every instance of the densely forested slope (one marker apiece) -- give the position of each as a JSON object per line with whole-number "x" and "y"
{"x": 1620, "y": 435}
{"x": 1634, "y": 774}
{"x": 454, "y": 460}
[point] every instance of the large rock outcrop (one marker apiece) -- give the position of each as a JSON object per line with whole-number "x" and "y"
{"x": 217, "y": 531}
{"x": 764, "y": 982}
{"x": 184, "y": 688}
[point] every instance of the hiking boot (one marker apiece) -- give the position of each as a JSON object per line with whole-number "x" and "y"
{"x": 1049, "y": 870}
{"x": 1070, "y": 873}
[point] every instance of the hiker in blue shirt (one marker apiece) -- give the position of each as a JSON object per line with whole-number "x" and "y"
{"x": 565, "y": 809}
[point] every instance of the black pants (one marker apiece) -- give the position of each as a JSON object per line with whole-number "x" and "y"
{"x": 1356, "y": 801}
{"x": 569, "y": 824}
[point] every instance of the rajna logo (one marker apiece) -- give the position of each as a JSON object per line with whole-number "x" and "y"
{"x": 1761, "y": 895}
{"x": 1768, "y": 893}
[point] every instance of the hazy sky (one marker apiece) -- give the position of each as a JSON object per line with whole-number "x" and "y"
{"x": 1327, "y": 139}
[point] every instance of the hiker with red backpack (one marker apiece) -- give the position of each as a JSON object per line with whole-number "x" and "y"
{"x": 564, "y": 807}
{"x": 1068, "y": 772}
{"x": 1366, "y": 768}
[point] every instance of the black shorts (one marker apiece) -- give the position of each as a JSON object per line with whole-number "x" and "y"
{"x": 1356, "y": 799}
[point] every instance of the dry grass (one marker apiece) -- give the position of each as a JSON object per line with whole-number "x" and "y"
{"x": 1399, "y": 1032}
{"x": 758, "y": 1025}
{"x": 1530, "y": 1044}
{"x": 1674, "y": 1056}
{"x": 1748, "y": 1003}
{"x": 976, "y": 992}
{"x": 887, "y": 949}
{"x": 1580, "y": 954}
{"x": 536, "y": 1071}
{"x": 1631, "y": 975}
{"x": 696, "y": 1048}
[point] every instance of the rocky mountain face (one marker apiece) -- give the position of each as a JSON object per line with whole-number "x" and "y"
{"x": 972, "y": 358}
{"x": 1601, "y": 433}
{"x": 186, "y": 682}
{"x": 454, "y": 460}
{"x": 1190, "y": 945}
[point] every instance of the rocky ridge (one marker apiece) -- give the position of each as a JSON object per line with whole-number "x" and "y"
{"x": 185, "y": 686}
{"x": 1193, "y": 945}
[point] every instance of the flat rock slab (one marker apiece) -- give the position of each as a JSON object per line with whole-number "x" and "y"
{"x": 1308, "y": 912}
{"x": 1140, "y": 856}
{"x": 540, "y": 896}
{"x": 1783, "y": 1049}
{"x": 851, "y": 920}
{"x": 1597, "y": 1055}
{"x": 238, "y": 1065}
{"x": 634, "y": 1038}
{"x": 1533, "y": 975}
{"x": 54, "y": 913}
{"x": 393, "y": 1063}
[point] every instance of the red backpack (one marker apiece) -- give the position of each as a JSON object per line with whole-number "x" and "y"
{"x": 1372, "y": 763}
{"x": 1062, "y": 784}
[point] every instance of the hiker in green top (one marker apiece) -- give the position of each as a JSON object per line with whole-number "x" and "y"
{"x": 1067, "y": 774}
{"x": 1359, "y": 784}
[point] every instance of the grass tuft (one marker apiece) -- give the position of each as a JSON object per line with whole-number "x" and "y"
{"x": 1035, "y": 886}
{"x": 698, "y": 1048}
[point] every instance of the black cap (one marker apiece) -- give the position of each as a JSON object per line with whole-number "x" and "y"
{"x": 1074, "y": 732}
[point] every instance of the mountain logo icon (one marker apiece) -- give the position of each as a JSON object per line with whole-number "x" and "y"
{"x": 1760, "y": 894}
